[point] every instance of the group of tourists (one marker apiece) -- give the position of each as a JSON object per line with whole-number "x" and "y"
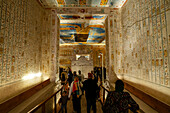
{"x": 74, "y": 86}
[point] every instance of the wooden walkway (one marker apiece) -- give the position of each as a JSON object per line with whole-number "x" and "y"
{"x": 83, "y": 106}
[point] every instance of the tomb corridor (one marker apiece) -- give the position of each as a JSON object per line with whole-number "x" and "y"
{"x": 122, "y": 39}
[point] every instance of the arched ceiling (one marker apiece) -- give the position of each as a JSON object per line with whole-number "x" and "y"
{"x": 83, "y": 3}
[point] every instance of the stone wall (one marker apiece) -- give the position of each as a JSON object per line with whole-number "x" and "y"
{"x": 146, "y": 40}
{"x": 25, "y": 29}
{"x": 146, "y": 44}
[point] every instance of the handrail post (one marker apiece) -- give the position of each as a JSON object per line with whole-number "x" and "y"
{"x": 55, "y": 108}
{"x": 103, "y": 95}
{"x": 43, "y": 108}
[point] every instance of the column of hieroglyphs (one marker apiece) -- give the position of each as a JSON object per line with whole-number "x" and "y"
{"x": 53, "y": 46}
{"x": 116, "y": 41}
{"x": 115, "y": 44}
{"x": 46, "y": 42}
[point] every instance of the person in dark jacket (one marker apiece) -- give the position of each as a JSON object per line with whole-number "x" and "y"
{"x": 90, "y": 87}
{"x": 119, "y": 101}
{"x": 70, "y": 76}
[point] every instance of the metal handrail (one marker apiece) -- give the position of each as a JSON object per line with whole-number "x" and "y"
{"x": 104, "y": 89}
{"x": 43, "y": 103}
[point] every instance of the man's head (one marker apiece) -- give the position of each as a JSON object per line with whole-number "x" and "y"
{"x": 119, "y": 86}
{"x": 79, "y": 72}
{"x": 90, "y": 75}
{"x": 74, "y": 73}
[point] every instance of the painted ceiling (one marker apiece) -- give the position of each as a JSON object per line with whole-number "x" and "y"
{"x": 87, "y": 17}
{"x": 84, "y": 3}
{"x": 82, "y": 33}
{"x": 82, "y": 29}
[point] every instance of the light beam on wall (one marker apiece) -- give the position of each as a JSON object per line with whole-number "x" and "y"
{"x": 31, "y": 76}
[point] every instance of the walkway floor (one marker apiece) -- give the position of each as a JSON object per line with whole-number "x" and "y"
{"x": 83, "y": 106}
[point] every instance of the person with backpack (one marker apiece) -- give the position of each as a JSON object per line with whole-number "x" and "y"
{"x": 75, "y": 90}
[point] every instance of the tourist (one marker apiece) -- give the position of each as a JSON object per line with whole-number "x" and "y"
{"x": 64, "y": 77}
{"x": 75, "y": 90}
{"x": 64, "y": 97}
{"x": 70, "y": 76}
{"x": 80, "y": 76}
{"x": 119, "y": 101}
{"x": 90, "y": 87}
{"x": 74, "y": 74}
{"x": 93, "y": 77}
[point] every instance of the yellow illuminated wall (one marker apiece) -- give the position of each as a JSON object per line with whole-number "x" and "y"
{"x": 23, "y": 25}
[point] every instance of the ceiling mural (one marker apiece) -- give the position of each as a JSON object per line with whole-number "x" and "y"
{"x": 103, "y": 2}
{"x": 83, "y": 3}
{"x": 82, "y": 26}
{"x": 88, "y": 17}
{"x": 61, "y": 2}
{"x": 82, "y": 33}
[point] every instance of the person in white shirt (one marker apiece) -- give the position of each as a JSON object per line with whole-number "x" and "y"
{"x": 80, "y": 76}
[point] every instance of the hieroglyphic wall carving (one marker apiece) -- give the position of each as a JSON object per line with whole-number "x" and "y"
{"x": 116, "y": 41}
{"x": 146, "y": 40}
{"x": 23, "y": 28}
{"x": 46, "y": 41}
